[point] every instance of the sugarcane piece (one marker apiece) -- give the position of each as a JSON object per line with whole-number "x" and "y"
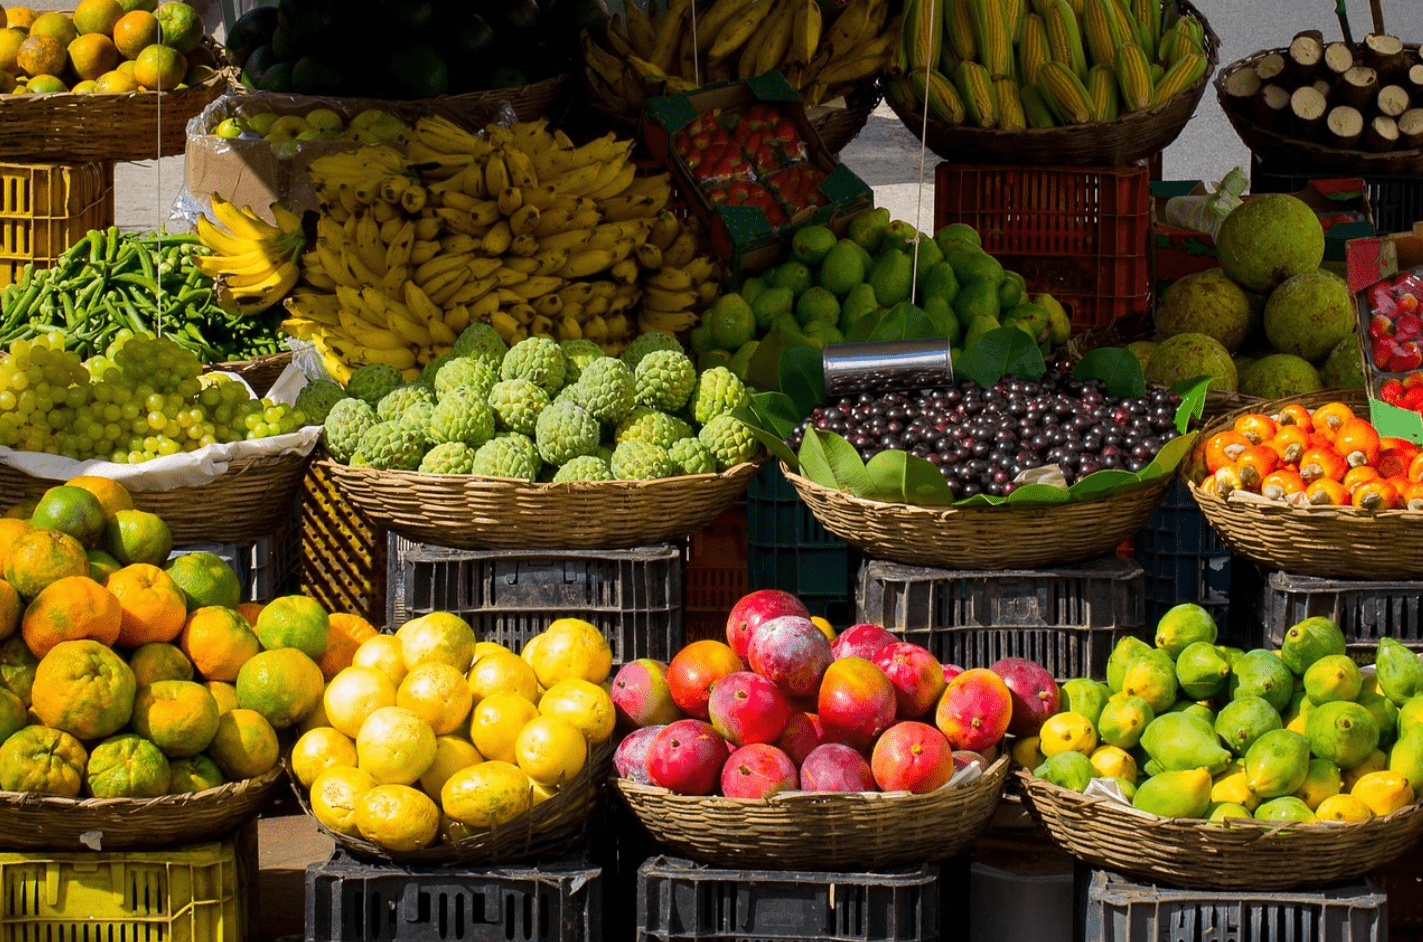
{"x": 1270, "y": 67}
{"x": 1307, "y": 108}
{"x": 1344, "y": 125}
{"x": 1392, "y": 100}
{"x": 1305, "y": 53}
{"x": 1241, "y": 86}
{"x": 1359, "y": 87}
{"x": 1271, "y": 107}
{"x": 1410, "y": 128}
{"x": 1338, "y": 59}
{"x": 1381, "y": 134}
{"x": 1384, "y": 54}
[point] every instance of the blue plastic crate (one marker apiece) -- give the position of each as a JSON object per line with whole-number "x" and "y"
{"x": 787, "y": 548}
{"x": 1184, "y": 559}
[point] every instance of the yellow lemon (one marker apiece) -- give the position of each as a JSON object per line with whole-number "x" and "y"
{"x": 501, "y": 672}
{"x": 1342, "y": 808}
{"x": 585, "y": 706}
{"x": 1383, "y": 791}
{"x": 395, "y": 746}
{"x": 451, "y": 754}
{"x": 488, "y": 794}
{"x": 1376, "y": 762}
{"x": 318, "y": 750}
{"x": 439, "y": 636}
{"x": 495, "y": 724}
{"x": 1233, "y": 787}
{"x": 397, "y": 817}
{"x": 334, "y": 794}
{"x": 383, "y": 653}
{"x": 1067, "y": 732}
{"x": 571, "y": 647}
{"x": 550, "y": 751}
{"x": 438, "y": 694}
{"x": 354, "y": 694}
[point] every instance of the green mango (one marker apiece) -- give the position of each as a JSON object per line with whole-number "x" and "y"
{"x": 974, "y": 264}
{"x": 892, "y": 278}
{"x": 928, "y": 251}
{"x": 978, "y": 328}
{"x": 1124, "y": 718}
{"x": 1410, "y": 713}
{"x": 1385, "y": 716}
{"x": 898, "y": 236}
{"x": 1241, "y": 722}
{"x": 1153, "y": 678}
{"x": 842, "y": 269}
{"x": 939, "y": 281}
{"x": 1219, "y": 811}
{"x": 1151, "y": 767}
{"x": 1182, "y": 741}
{"x": 793, "y": 275}
{"x": 1184, "y": 625}
{"x": 868, "y": 228}
{"x": 772, "y": 303}
{"x": 941, "y": 315}
{"x": 957, "y": 235}
{"x": 1406, "y": 757}
{"x": 1259, "y": 673}
{"x": 817, "y": 304}
{"x": 1201, "y": 671}
{"x": 1123, "y": 655}
{"x": 1086, "y": 697}
{"x": 1031, "y": 318}
{"x": 1308, "y": 641}
{"x": 1068, "y": 770}
{"x": 1179, "y": 794}
{"x": 858, "y": 301}
{"x": 1342, "y": 732}
{"x": 1400, "y": 672}
{"x": 1277, "y": 763}
{"x": 1333, "y": 677}
{"x": 1284, "y": 808}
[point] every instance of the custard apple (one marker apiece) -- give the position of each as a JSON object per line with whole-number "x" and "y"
{"x": 665, "y": 379}
{"x": 317, "y": 397}
{"x": 517, "y": 404}
{"x": 466, "y": 371}
{"x": 392, "y": 446}
{"x": 636, "y": 460}
{"x": 448, "y": 458}
{"x": 345, "y": 424}
{"x": 372, "y": 381}
{"x": 537, "y": 359}
{"x": 526, "y": 446}
{"x": 718, "y": 391}
{"x": 428, "y": 371}
{"x": 606, "y": 389}
{"x": 643, "y": 344}
{"x": 584, "y": 468}
{"x": 730, "y": 440}
{"x": 564, "y": 431}
{"x": 579, "y": 352}
{"x": 604, "y": 451}
{"x": 481, "y": 342}
{"x": 503, "y": 458}
{"x": 417, "y": 415}
{"x": 692, "y": 456}
{"x": 649, "y": 425}
{"x": 462, "y": 416}
{"x": 567, "y": 394}
{"x": 395, "y": 402}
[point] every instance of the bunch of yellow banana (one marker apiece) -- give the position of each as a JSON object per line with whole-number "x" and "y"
{"x": 678, "y": 283}
{"x": 681, "y": 47}
{"x": 515, "y": 227}
{"x": 253, "y": 263}
{"x": 1016, "y": 64}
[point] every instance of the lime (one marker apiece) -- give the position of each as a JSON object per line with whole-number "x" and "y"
{"x": 731, "y": 321}
{"x": 230, "y": 128}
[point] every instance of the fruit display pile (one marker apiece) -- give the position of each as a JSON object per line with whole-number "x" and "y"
{"x": 993, "y": 65}
{"x": 1327, "y": 457}
{"x": 287, "y": 132}
{"x": 785, "y": 704}
{"x": 1395, "y": 345}
{"x": 540, "y": 410}
{"x": 1192, "y": 729}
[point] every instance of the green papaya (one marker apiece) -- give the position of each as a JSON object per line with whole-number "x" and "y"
{"x": 1322, "y": 781}
{"x": 1284, "y": 808}
{"x": 869, "y": 227}
{"x": 1333, "y": 677}
{"x": 1123, "y": 655}
{"x": 1308, "y": 641}
{"x": 1342, "y": 732}
{"x": 1399, "y": 671}
{"x": 1184, "y": 625}
{"x": 1259, "y": 673}
{"x": 1181, "y": 741}
{"x": 1181, "y": 794}
{"x": 1385, "y": 716}
{"x": 1153, "y": 678}
{"x": 1406, "y": 756}
{"x": 1067, "y": 770}
{"x": 892, "y": 278}
{"x": 1085, "y": 696}
{"x": 1241, "y": 722}
{"x": 1277, "y": 763}
{"x": 1123, "y": 719}
{"x": 1410, "y": 713}
{"x": 1219, "y": 811}
{"x": 1200, "y": 670}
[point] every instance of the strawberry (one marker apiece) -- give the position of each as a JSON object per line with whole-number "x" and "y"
{"x": 1392, "y": 390}
{"x": 1380, "y": 325}
{"x": 1407, "y": 303}
{"x": 1384, "y": 349}
{"x": 1413, "y": 399}
{"x": 1413, "y": 380}
{"x": 1408, "y": 327}
{"x": 1409, "y": 357}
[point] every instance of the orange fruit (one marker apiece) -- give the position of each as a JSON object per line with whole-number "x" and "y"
{"x": 43, "y": 760}
{"x": 193, "y": 774}
{"x": 135, "y": 32}
{"x": 10, "y": 42}
{"x": 126, "y": 766}
{"x": 17, "y": 667}
{"x": 495, "y": 672}
{"x": 179, "y": 716}
{"x": 137, "y": 536}
{"x": 12, "y": 715}
{"x": 19, "y": 17}
{"x": 318, "y": 750}
{"x": 225, "y": 694}
{"x": 131, "y": 5}
{"x": 71, "y": 510}
{"x": 294, "y": 621}
{"x": 159, "y": 68}
{"x": 55, "y": 25}
{"x": 495, "y": 724}
{"x": 10, "y": 609}
{"x": 334, "y": 795}
{"x": 83, "y": 688}
{"x": 22, "y": 510}
{"x": 347, "y": 633}
{"x": 11, "y": 528}
{"x": 71, "y": 609}
{"x": 182, "y": 27}
{"x": 113, "y": 83}
{"x": 451, "y": 754}
{"x": 126, "y": 68}
{"x": 206, "y": 579}
{"x": 97, "y": 16}
{"x": 550, "y": 751}
{"x": 395, "y": 746}
{"x": 102, "y": 565}
{"x": 157, "y": 661}
{"x": 40, "y": 557}
{"x": 383, "y": 653}
{"x": 439, "y": 636}
{"x": 153, "y": 605}
{"x": 355, "y": 694}
{"x": 245, "y": 745}
{"x": 250, "y": 610}
{"x": 283, "y": 685}
{"x": 40, "y": 55}
{"x": 218, "y": 642}
{"x": 112, "y": 495}
{"x": 397, "y": 817}
{"x": 92, "y": 55}
{"x": 570, "y": 647}
{"x": 586, "y": 707}
{"x": 488, "y": 794}
{"x": 46, "y": 85}
{"x": 438, "y": 694}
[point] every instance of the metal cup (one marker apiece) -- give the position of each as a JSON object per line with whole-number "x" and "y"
{"x": 883, "y": 365}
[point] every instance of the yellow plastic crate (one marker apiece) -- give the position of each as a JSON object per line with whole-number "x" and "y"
{"x": 46, "y": 208}
{"x": 192, "y": 894}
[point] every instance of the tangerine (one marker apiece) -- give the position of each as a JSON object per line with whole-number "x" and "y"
{"x": 159, "y": 68}
{"x": 294, "y": 621}
{"x": 11, "y": 528}
{"x": 114, "y": 82}
{"x": 439, "y": 636}
{"x": 40, "y": 55}
{"x": 20, "y": 17}
{"x": 318, "y": 750}
{"x": 347, "y": 633}
{"x": 40, "y": 557}
{"x": 438, "y": 694}
{"x": 206, "y": 579}
{"x": 70, "y": 609}
{"x": 218, "y": 641}
{"x": 179, "y": 716}
{"x": 126, "y": 766}
{"x": 397, "y": 817}
{"x": 135, "y": 32}
{"x": 71, "y": 510}
{"x": 10, "y": 609}
{"x": 283, "y": 685}
{"x": 157, "y": 661}
{"x": 137, "y": 536}
{"x": 112, "y": 495}
{"x": 334, "y": 795}
{"x": 488, "y": 794}
{"x": 395, "y": 746}
{"x": 44, "y": 760}
{"x": 92, "y": 55}
{"x": 245, "y": 744}
{"x": 153, "y": 606}
{"x": 193, "y": 774}
{"x": 83, "y": 688}
{"x": 97, "y": 16}
{"x": 17, "y": 667}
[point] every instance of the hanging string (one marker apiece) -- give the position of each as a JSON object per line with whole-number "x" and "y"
{"x": 158, "y": 215}
{"x": 923, "y": 149}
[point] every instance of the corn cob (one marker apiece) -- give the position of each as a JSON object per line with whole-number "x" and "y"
{"x": 1102, "y": 89}
{"x": 939, "y": 95}
{"x": 980, "y": 101}
{"x": 1040, "y": 7}
{"x": 1147, "y": 14}
{"x": 1099, "y": 31}
{"x": 1174, "y": 44}
{"x": 1123, "y": 25}
{"x": 1187, "y": 71}
{"x": 1193, "y": 28}
{"x": 1014, "y": 12}
{"x": 1133, "y": 77}
{"x": 1035, "y": 110}
{"x": 1010, "y": 104}
{"x": 1156, "y": 72}
{"x": 990, "y": 36}
{"x": 1032, "y": 49}
{"x": 1065, "y": 94}
{"x": 958, "y": 28}
{"x": 924, "y": 28}
{"x": 1064, "y": 40}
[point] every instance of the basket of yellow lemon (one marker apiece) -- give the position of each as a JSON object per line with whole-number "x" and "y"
{"x": 104, "y": 84}
{"x": 434, "y": 749}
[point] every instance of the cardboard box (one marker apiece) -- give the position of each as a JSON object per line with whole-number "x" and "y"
{"x": 1370, "y": 260}
{"x": 742, "y": 234}
{"x": 1181, "y": 252}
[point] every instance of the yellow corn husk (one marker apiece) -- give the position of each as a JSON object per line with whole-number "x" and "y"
{"x": 1133, "y": 77}
{"x": 976, "y": 89}
{"x": 958, "y": 29}
{"x": 1156, "y": 72}
{"x": 1193, "y": 28}
{"x": 1035, "y": 110}
{"x": 1064, "y": 39}
{"x": 926, "y": 30}
{"x": 1032, "y": 49}
{"x": 1065, "y": 94}
{"x": 1187, "y": 71}
{"x": 1099, "y": 32}
{"x": 1010, "y": 104}
{"x": 940, "y": 96}
{"x": 1102, "y": 89}
{"x": 1122, "y": 25}
{"x": 1174, "y": 44}
{"x": 1147, "y": 14}
{"x": 990, "y": 36}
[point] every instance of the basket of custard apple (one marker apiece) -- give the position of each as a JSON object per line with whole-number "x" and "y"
{"x": 542, "y": 444}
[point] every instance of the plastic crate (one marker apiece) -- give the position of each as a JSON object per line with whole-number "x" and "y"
{"x": 1080, "y": 233}
{"x": 1396, "y": 199}
{"x": 682, "y": 901}
{"x": 714, "y": 576}
{"x": 343, "y": 563}
{"x": 1121, "y": 910}
{"x": 787, "y": 548}
{"x": 46, "y": 208}
{"x": 1006, "y": 905}
{"x": 1364, "y": 611}
{"x": 265, "y": 568}
{"x": 188, "y": 894}
{"x": 350, "y": 901}
{"x": 1067, "y": 618}
{"x": 1185, "y": 560}
{"x": 634, "y": 596}
{"x": 1402, "y": 880}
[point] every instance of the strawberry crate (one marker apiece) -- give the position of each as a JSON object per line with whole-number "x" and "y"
{"x": 1081, "y": 234}
{"x": 714, "y": 575}
{"x": 1395, "y": 200}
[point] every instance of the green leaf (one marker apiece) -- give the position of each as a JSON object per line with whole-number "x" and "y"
{"x": 1039, "y": 494}
{"x": 775, "y": 445}
{"x": 1169, "y": 458}
{"x": 1118, "y": 367}
{"x": 886, "y": 325}
{"x": 802, "y": 374}
{"x": 886, "y": 471}
{"x": 830, "y": 461}
{"x": 924, "y": 484}
{"x": 1103, "y": 483}
{"x": 1193, "y": 400}
{"x": 980, "y": 500}
{"x": 1006, "y": 351}
{"x": 776, "y": 413}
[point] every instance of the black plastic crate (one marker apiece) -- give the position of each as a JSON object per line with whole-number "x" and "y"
{"x": 1185, "y": 560}
{"x": 634, "y": 596}
{"x": 1395, "y": 198}
{"x": 1122, "y": 910}
{"x": 682, "y": 901}
{"x": 1364, "y": 611}
{"x": 1067, "y": 618}
{"x": 350, "y": 901}
{"x": 787, "y": 548}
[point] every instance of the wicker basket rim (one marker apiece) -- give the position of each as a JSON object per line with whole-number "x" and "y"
{"x": 746, "y": 468}
{"x": 56, "y": 803}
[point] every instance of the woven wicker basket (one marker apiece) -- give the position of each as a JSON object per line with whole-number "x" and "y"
{"x": 1338, "y": 542}
{"x": 259, "y": 372}
{"x": 1008, "y": 536}
{"x": 839, "y": 126}
{"x": 529, "y": 102}
{"x": 504, "y": 513}
{"x": 1239, "y": 855}
{"x": 1120, "y": 143}
{"x": 550, "y": 830}
{"x": 249, "y": 502}
{"x": 820, "y": 830}
{"x": 1290, "y": 154}
{"x": 45, "y": 822}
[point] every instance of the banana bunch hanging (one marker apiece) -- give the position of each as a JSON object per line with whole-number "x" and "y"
{"x": 253, "y": 263}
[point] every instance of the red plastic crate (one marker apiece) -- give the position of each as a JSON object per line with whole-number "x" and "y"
{"x": 1080, "y": 233}
{"x": 714, "y": 576}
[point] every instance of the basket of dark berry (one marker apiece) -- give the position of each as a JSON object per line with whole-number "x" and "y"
{"x": 1019, "y": 473}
